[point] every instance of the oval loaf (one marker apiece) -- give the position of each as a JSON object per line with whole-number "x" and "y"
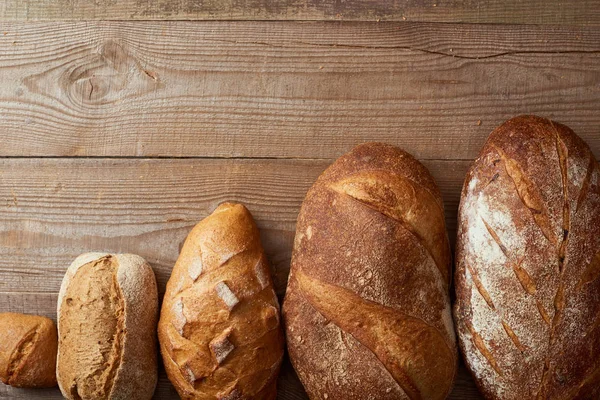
{"x": 528, "y": 264}
{"x": 107, "y": 316}
{"x": 27, "y": 350}
{"x": 219, "y": 329}
{"x": 367, "y": 309}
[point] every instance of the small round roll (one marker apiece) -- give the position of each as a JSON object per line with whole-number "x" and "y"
{"x": 27, "y": 350}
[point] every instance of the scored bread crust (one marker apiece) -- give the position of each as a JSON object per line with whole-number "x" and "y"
{"x": 219, "y": 328}
{"x": 135, "y": 374}
{"x": 528, "y": 305}
{"x": 367, "y": 309}
{"x": 27, "y": 350}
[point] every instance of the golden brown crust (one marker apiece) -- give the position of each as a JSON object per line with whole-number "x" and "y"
{"x": 527, "y": 284}
{"x": 367, "y": 310}
{"x": 107, "y": 315}
{"x": 27, "y": 350}
{"x": 219, "y": 329}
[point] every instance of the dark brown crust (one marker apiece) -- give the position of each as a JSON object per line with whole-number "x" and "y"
{"x": 369, "y": 278}
{"x": 528, "y": 243}
{"x": 219, "y": 330}
{"x": 27, "y": 350}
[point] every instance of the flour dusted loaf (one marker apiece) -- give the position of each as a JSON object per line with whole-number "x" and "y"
{"x": 528, "y": 262}
{"x": 219, "y": 329}
{"x": 107, "y": 316}
{"x": 27, "y": 350}
{"x": 367, "y": 309}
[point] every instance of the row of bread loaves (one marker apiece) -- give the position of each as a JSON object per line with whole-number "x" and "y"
{"x": 219, "y": 330}
{"x": 367, "y": 312}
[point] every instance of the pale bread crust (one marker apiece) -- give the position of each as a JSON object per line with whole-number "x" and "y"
{"x": 528, "y": 294}
{"x": 137, "y": 375}
{"x": 367, "y": 308}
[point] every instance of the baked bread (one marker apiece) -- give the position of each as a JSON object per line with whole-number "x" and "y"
{"x": 528, "y": 262}
{"x": 219, "y": 329}
{"x": 367, "y": 309}
{"x": 107, "y": 315}
{"x": 27, "y": 350}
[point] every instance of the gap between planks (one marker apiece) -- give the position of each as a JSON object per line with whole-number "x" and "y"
{"x": 234, "y": 158}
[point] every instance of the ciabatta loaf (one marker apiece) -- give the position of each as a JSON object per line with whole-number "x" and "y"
{"x": 107, "y": 316}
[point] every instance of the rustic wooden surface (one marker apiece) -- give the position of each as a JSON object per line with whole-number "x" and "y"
{"x": 120, "y": 135}
{"x": 285, "y": 89}
{"x": 572, "y": 12}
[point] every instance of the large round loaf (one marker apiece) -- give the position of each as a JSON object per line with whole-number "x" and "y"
{"x": 219, "y": 329}
{"x": 107, "y": 316}
{"x": 528, "y": 262}
{"x": 367, "y": 309}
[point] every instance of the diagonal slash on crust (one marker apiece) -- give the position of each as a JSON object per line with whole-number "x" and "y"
{"x": 396, "y": 339}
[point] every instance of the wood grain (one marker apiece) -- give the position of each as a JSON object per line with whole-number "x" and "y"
{"x": 285, "y": 89}
{"x": 575, "y": 12}
{"x": 54, "y": 209}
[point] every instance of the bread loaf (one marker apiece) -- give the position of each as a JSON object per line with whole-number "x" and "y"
{"x": 107, "y": 315}
{"x": 367, "y": 309}
{"x": 219, "y": 329}
{"x": 528, "y": 263}
{"x": 27, "y": 350}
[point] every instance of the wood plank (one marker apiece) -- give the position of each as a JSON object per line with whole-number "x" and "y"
{"x": 575, "y": 12}
{"x": 54, "y": 209}
{"x": 286, "y": 89}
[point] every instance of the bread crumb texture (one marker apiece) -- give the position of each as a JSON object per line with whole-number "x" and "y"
{"x": 92, "y": 327}
{"x": 219, "y": 330}
{"x": 367, "y": 309}
{"x": 27, "y": 350}
{"x": 528, "y": 294}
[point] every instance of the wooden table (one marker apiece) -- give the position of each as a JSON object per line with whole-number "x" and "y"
{"x": 123, "y": 123}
